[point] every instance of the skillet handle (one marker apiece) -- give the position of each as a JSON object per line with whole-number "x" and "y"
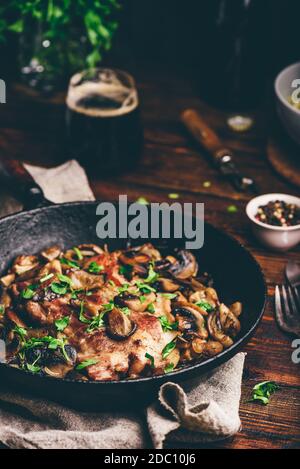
{"x": 17, "y": 178}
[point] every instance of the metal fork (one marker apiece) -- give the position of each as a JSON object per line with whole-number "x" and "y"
{"x": 287, "y": 309}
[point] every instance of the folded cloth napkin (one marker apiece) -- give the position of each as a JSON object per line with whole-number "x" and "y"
{"x": 202, "y": 410}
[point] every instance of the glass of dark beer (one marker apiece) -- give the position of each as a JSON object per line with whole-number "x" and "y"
{"x": 104, "y": 129}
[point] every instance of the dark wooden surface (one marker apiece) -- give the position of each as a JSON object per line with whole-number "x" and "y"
{"x": 31, "y": 130}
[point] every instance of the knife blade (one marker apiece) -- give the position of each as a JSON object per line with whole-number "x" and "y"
{"x": 222, "y": 157}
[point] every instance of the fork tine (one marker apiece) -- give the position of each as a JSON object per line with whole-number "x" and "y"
{"x": 280, "y": 314}
{"x": 296, "y": 295}
{"x": 295, "y": 309}
{"x": 286, "y": 304}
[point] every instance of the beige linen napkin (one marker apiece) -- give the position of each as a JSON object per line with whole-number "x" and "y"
{"x": 201, "y": 410}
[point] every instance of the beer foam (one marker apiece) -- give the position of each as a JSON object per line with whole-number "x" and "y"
{"x": 124, "y": 97}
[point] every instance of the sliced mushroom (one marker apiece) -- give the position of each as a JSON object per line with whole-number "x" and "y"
{"x": 190, "y": 322}
{"x": 53, "y": 267}
{"x": 24, "y": 263}
{"x": 134, "y": 302}
{"x": 36, "y": 312}
{"x": 15, "y": 319}
{"x": 167, "y": 285}
{"x": 185, "y": 265}
{"x": 7, "y": 280}
{"x": 229, "y": 322}
{"x": 119, "y": 325}
{"x": 51, "y": 253}
{"x": 236, "y": 308}
{"x": 5, "y": 299}
{"x": 82, "y": 280}
{"x": 215, "y": 330}
{"x": 133, "y": 257}
{"x": 89, "y": 250}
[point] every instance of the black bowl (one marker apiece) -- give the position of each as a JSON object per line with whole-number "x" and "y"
{"x": 236, "y": 274}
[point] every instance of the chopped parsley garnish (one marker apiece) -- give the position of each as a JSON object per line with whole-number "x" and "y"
{"x": 151, "y": 308}
{"x": 142, "y": 201}
{"x": 62, "y": 323}
{"x": 168, "y": 348}
{"x": 232, "y": 209}
{"x": 95, "y": 268}
{"x": 142, "y": 298}
{"x": 169, "y": 367}
{"x": 97, "y": 322}
{"x": 170, "y": 296}
{"x": 123, "y": 288}
{"x": 152, "y": 275}
{"x": 86, "y": 363}
{"x": 52, "y": 342}
{"x": 46, "y": 277}
{"x": 166, "y": 325}
{"x": 125, "y": 310}
{"x": 29, "y": 292}
{"x": 125, "y": 270}
{"x": 32, "y": 367}
{"x": 2, "y": 309}
{"x": 22, "y": 333}
{"x": 69, "y": 263}
{"x": 59, "y": 288}
{"x": 151, "y": 358}
{"x": 82, "y": 318}
{"x": 144, "y": 288}
{"x": 78, "y": 253}
{"x": 206, "y": 306}
{"x": 263, "y": 391}
{"x": 64, "y": 279}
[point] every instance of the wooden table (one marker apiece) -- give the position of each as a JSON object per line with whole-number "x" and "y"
{"x": 31, "y": 130}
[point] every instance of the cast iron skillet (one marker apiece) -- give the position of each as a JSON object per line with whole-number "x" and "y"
{"x": 236, "y": 273}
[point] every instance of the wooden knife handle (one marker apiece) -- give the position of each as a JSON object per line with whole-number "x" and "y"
{"x": 204, "y": 135}
{"x": 14, "y": 175}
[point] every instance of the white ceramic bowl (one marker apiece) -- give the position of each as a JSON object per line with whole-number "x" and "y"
{"x": 276, "y": 238}
{"x": 288, "y": 114}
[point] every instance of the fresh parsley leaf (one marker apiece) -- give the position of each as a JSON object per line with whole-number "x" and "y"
{"x": 126, "y": 270}
{"x": 108, "y": 306}
{"x": 2, "y": 309}
{"x": 169, "y": 348}
{"x": 170, "y": 296}
{"x": 69, "y": 263}
{"x": 82, "y": 318}
{"x": 144, "y": 288}
{"x": 33, "y": 368}
{"x": 46, "y": 277}
{"x": 97, "y": 322}
{"x": 151, "y": 308}
{"x": 151, "y": 358}
{"x": 59, "y": 288}
{"x": 62, "y": 323}
{"x": 206, "y": 306}
{"x": 152, "y": 275}
{"x": 86, "y": 363}
{"x": 166, "y": 325}
{"x": 123, "y": 288}
{"x": 169, "y": 367}
{"x": 263, "y": 391}
{"x": 65, "y": 279}
{"x": 95, "y": 268}
{"x": 78, "y": 253}
{"x": 142, "y": 298}
{"x": 29, "y": 292}
{"x": 22, "y": 333}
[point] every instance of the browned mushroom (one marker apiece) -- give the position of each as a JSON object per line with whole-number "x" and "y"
{"x": 7, "y": 280}
{"x": 51, "y": 253}
{"x": 133, "y": 257}
{"x": 185, "y": 265}
{"x": 134, "y": 302}
{"x": 36, "y": 312}
{"x": 215, "y": 330}
{"x": 24, "y": 263}
{"x": 119, "y": 325}
{"x": 168, "y": 285}
{"x": 90, "y": 250}
{"x": 53, "y": 267}
{"x": 190, "y": 322}
{"x": 236, "y": 308}
{"x": 229, "y": 322}
{"x": 82, "y": 280}
{"x": 209, "y": 348}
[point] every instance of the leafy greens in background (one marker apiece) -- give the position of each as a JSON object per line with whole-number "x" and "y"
{"x": 57, "y": 17}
